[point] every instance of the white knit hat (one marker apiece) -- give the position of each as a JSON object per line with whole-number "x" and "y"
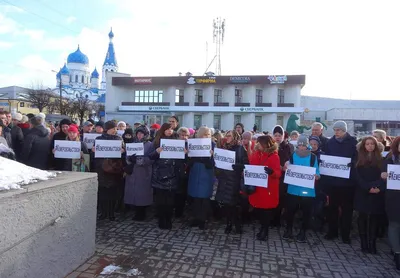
{"x": 17, "y": 116}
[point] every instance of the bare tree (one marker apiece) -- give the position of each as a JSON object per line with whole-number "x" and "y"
{"x": 53, "y": 107}
{"x": 83, "y": 106}
{"x": 39, "y": 97}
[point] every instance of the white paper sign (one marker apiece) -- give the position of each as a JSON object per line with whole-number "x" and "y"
{"x": 174, "y": 149}
{"x": 108, "y": 148}
{"x": 89, "y": 138}
{"x": 300, "y": 175}
{"x": 134, "y": 148}
{"x": 293, "y": 142}
{"x": 120, "y": 132}
{"x": 255, "y": 175}
{"x": 199, "y": 147}
{"x": 393, "y": 179}
{"x": 67, "y": 149}
{"x": 224, "y": 159}
{"x": 335, "y": 166}
{"x": 384, "y": 154}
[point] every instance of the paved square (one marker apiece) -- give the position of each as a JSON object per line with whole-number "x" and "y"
{"x": 189, "y": 252}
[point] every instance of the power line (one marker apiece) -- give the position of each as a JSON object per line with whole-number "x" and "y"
{"x": 41, "y": 17}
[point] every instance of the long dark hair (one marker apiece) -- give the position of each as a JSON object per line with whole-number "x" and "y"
{"x": 160, "y": 134}
{"x": 394, "y": 146}
{"x": 364, "y": 158}
{"x": 268, "y": 143}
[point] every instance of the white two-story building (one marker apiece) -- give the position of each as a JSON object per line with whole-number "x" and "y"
{"x": 215, "y": 101}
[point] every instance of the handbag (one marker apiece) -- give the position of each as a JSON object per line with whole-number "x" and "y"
{"x": 112, "y": 166}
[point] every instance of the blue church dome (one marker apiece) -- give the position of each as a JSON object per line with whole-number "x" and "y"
{"x": 64, "y": 70}
{"x": 95, "y": 74}
{"x": 58, "y": 76}
{"x": 78, "y": 57}
{"x": 111, "y": 34}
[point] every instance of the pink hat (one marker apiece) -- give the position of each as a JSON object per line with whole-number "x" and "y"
{"x": 191, "y": 131}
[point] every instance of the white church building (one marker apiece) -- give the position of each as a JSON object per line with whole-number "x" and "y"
{"x": 75, "y": 79}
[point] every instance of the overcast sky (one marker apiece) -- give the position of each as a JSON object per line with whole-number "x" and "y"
{"x": 345, "y": 48}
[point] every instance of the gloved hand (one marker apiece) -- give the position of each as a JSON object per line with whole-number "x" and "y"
{"x": 350, "y": 164}
{"x": 268, "y": 171}
{"x": 133, "y": 159}
{"x": 238, "y": 167}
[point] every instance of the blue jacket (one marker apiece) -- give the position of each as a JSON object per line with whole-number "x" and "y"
{"x": 345, "y": 148}
{"x": 201, "y": 176}
{"x": 299, "y": 190}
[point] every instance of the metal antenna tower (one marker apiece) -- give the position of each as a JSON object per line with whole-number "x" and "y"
{"x": 218, "y": 39}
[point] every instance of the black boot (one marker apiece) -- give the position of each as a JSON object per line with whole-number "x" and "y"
{"x": 202, "y": 225}
{"x": 373, "y": 230}
{"x": 397, "y": 260}
{"x": 263, "y": 235}
{"x": 362, "y": 230}
{"x": 111, "y": 210}
{"x": 194, "y": 223}
{"x": 364, "y": 243}
{"x": 103, "y": 210}
{"x": 301, "y": 236}
{"x": 140, "y": 214}
{"x": 260, "y": 232}
{"x": 228, "y": 228}
{"x": 288, "y": 234}
{"x": 162, "y": 224}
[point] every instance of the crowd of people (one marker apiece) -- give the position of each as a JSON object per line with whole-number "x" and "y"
{"x": 139, "y": 181}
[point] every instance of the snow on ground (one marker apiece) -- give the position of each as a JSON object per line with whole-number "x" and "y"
{"x": 14, "y": 174}
{"x": 110, "y": 269}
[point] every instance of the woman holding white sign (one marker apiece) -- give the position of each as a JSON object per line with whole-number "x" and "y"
{"x": 201, "y": 181}
{"x": 266, "y": 199}
{"x": 138, "y": 190}
{"x": 369, "y": 197}
{"x": 228, "y": 191}
{"x": 165, "y": 177}
{"x": 300, "y": 196}
{"x": 109, "y": 172}
{"x": 392, "y": 202}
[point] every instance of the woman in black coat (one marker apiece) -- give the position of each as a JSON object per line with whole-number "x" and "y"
{"x": 369, "y": 195}
{"x": 228, "y": 191}
{"x": 109, "y": 172}
{"x": 392, "y": 202}
{"x": 165, "y": 177}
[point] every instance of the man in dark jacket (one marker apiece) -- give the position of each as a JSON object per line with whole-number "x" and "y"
{"x": 36, "y": 148}
{"x": 340, "y": 190}
{"x": 58, "y": 163}
{"x": 6, "y": 129}
{"x": 316, "y": 130}
{"x": 17, "y": 137}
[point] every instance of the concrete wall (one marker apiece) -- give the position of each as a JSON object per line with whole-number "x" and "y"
{"x": 48, "y": 229}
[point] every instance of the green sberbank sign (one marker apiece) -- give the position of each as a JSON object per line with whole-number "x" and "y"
{"x": 159, "y": 108}
{"x": 251, "y": 109}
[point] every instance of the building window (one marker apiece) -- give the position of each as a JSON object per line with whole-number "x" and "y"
{"x": 148, "y": 96}
{"x": 82, "y": 79}
{"x": 76, "y": 78}
{"x": 197, "y": 121}
{"x": 279, "y": 120}
{"x": 281, "y": 96}
{"x": 22, "y": 104}
{"x": 217, "y": 121}
{"x": 198, "y": 95}
{"x": 238, "y": 96}
{"x": 70, "y": 78}
{"x": 179, "y": 95}
{"x": 259, "y": 96}
{"x": 217, "y": 95}
{"x": 258, "y": 122}
{"x": 237, "y": 119}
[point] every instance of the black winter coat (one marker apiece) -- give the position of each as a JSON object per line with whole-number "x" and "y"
{"x": 345, "y": 148}
{"x": 166, "y": 172}
{"x": 17, "y": 138}
{"x": 392, "y": 197}
{"x": 7, "y": 135}
{"x": 369, "y": 177}
{"x": 58, "y": 163}
{"x": 324, "y": 141}
{"x": 228, "y": 191}
{"x": 284, "y": 152}
{"x": 36, "y": 148}
{"x": 108, "y": 180}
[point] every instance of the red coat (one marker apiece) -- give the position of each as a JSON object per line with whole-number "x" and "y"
{"x": 267, "y": 198}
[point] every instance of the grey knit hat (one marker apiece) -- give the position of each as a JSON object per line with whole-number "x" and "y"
{"x": 302, "y": 140}
{"x": 340, "y": 125}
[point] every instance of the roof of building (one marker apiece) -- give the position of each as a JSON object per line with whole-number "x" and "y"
{"x": 64, "y": 70}
{"x": 95, "y": 74}
{"x": 58, "y": 75}
{"x": 78, "y": 57}
{"x": 110, "y": 56}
